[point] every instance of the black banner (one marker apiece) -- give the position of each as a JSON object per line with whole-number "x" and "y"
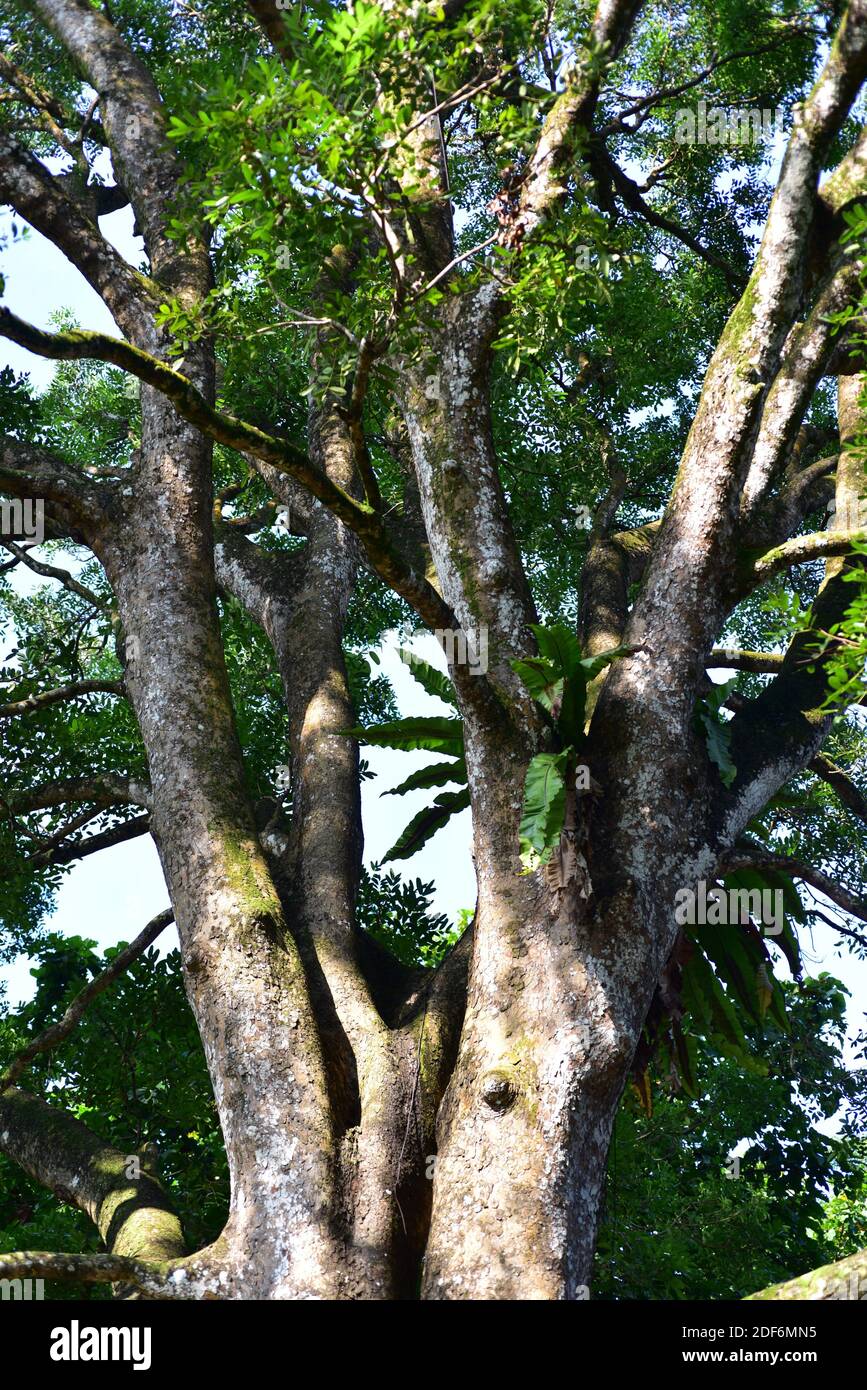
{"x": 67, "y": 1339}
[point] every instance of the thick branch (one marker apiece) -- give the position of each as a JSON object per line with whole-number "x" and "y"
{"x": 54, "y": 572}
{"x": 802, "y": 549}
{"x": 256, "y": 578}
{"x": 806, "y": 358}
{"x": 777, "y": 734}
{"x": 812, "y": 344}
{"x": 51, "y": 114}
{"x": 132, "y": 1214}
{"x": 226, "y": 429}
{"x": 843, "y": 1280}
{"x": 272, "y": 21}
{"x": 150, "y": 1278}
{"x": 104, "y": 790}
{"x": 611, "y": 565}
{"x": 28, "y": 471}
{"x": 845, "y": 899}
{"x": 81, "y": 849}
{"x": 49, "y": 203}
{"x": 734, "y": 659}
{"x": 300, "y": 504}
{"x": 804, "y": 490}
{"x": 631, "y": 195}
{"x": 570, "y": 118}
{"x": 685, "y": 590}
{"x": 135, "y": 126}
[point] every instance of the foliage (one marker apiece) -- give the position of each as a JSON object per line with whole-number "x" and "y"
{"x": 558, "y": 679}
{"x": 397, "y": 914}
{"x": 134, "y": 1070}
{"x": 684, "y": 1220}
{"x": 440, "y": 734}
{"x": 716, "y": 731}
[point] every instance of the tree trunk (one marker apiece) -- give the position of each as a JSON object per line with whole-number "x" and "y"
{"x": 242, "y": 969}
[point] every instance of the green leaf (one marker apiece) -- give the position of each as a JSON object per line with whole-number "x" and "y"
{"x": 737, "y": 951}
{"x": 787, "y": 939}
{"x": 718, "y": 694}
{"x": 558, "y": 678}
{"x": 437, "y": 775}
{"x": 718, "y": 738}
{"x": 572, "y": 711}
{"x": 432, "y": 681}
{"x": 559, "y": 646}
{"x": 685, "y": 1054}
{"x": 432, "y": 733}
{"x": 544, "y": 808}
{"x": 427, "y": 823}
{"x": 592, "y": 665}
{"x": 541, "y": 679}
{"x": 705, "y": 998}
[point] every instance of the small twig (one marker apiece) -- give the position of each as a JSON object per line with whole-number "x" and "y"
{"x": 48, "y": 1040}
{"x": 666, "y": 93}
{"x": 81, "y": 849}
{"x": 53, "y": 572}
{"x": 465, "y": 256}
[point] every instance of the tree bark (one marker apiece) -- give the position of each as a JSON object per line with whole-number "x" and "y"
{"x": 845, "y": 1279}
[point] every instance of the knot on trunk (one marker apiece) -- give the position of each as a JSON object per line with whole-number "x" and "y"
{"x": 499, "y": 1092}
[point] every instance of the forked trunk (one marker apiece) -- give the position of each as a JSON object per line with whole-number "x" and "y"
{"x": 558, "y": 993}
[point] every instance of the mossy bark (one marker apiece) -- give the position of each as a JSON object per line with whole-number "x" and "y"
{"x": 843, "y": 1280}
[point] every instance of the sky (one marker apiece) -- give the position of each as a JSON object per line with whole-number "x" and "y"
{"x": 110, "y": 896}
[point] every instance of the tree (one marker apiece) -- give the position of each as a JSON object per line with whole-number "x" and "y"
{"x": 449, "y": 293}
